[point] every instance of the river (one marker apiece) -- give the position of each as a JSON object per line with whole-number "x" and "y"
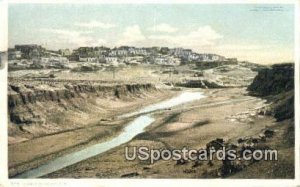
{"x": 134, "y": 128}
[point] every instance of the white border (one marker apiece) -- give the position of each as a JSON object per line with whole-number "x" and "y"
{"x": 145, "y": 182}
{"x": 157, "y": 1}
{"x": 3, "y": 90}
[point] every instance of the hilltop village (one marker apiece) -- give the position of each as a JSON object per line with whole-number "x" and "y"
{"x": 36, "y": 56}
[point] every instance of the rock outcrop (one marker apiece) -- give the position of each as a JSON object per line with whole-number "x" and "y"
{"x": 276, "y": 84}
{"x": 199, "y": 84}
{"x": 37, "y": 108}
{"x": 274, "y": 80}
{"x": 22, "y": 94}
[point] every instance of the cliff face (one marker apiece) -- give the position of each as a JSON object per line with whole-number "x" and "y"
{"x": 275, "y": 80}
{"x": 37, "y": 108}
{"x": 276, "y": 84}
{"x": 22, "y": 94}
{"x": 199, "y": 84}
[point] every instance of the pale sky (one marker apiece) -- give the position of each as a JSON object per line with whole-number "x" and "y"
{"x": 257, "y": 33}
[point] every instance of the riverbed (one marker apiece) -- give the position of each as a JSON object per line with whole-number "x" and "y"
{"x": 223, "y": 113}
{"x": 137, "y": 126}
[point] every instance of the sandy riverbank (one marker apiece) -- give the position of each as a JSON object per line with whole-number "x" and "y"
{"x": 225, "y": 113}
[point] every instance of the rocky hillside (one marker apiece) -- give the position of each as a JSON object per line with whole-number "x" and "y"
{"x": 27, "y": 93}
{"x": 274, "y": 80}
{"x": 276, "y": 84}
{"x": 38, "y": 108}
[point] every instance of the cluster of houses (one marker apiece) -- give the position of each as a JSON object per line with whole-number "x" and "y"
{"x": 33, "y": 54}
{"x": 133, "y": 55}
{"x": 124, "y": 54}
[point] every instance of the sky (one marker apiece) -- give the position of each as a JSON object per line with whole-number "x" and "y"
{"x": 257, "y": 33}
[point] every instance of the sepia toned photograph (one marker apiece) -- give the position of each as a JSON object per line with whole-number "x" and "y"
{"x": 160, "y": 91}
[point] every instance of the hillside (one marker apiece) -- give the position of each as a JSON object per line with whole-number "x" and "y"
{"x": 276, "y": 84}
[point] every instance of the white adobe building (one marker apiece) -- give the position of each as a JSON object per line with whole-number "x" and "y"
{"x": 167, "y": 60}
{"x": 112, "y": 60}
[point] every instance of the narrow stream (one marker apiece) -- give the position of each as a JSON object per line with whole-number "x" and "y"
{"x": 131, "y": 130}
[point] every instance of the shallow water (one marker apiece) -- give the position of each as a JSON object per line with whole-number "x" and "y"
{"x": 134, "y": 128}
{"x": 185, "y": 97}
